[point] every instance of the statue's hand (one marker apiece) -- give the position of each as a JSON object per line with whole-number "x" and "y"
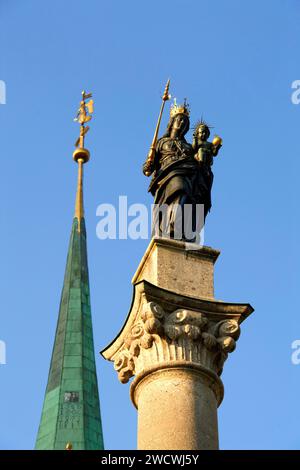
{"x": 216, "y": 150}
{"x": 201, "y": 156}
{"x": 148, "y": 168}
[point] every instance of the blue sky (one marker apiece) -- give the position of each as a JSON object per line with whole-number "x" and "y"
{"x": 235, "y": 61}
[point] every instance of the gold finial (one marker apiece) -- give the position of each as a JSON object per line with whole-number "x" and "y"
{"x": 81, "y": 155}
{"x": 84, "y": 115}
{"x": 69, "y": 446}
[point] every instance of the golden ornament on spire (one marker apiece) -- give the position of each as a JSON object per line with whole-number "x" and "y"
{"x": 84, "y": 115}
{"x": 81, "y": 155}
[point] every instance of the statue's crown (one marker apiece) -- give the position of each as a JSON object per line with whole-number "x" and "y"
{"x": 179, "y": 108}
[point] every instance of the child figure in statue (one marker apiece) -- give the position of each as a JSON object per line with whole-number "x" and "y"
{"x": 204, "y": 150}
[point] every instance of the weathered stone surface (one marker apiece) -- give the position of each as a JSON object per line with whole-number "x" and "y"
{"x": 176, "y": 410}
{"x": 158, "y": 337}
{"x": 178, "y": 266}
{"x": 175, "y": 345}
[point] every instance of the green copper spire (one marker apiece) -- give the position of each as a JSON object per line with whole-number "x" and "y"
{"x": 71, "y": 411}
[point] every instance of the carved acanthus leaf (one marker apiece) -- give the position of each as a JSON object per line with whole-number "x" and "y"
{"x": 155, "y": 325}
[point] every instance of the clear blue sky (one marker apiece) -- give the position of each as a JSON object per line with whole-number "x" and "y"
{"x": 235, "y": 61}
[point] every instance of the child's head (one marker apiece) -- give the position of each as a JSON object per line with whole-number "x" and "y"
{"x": 201, "y": 132}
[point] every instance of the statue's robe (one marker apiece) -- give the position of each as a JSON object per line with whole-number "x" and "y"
{"x": 178, "y": 179}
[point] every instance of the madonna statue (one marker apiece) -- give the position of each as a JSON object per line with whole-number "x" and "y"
{"x": 182, "y": 177}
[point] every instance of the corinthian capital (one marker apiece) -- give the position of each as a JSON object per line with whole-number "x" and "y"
{"x": 158, "y": 337}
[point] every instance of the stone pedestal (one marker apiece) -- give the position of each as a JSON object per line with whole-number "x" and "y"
{"x": 174, "y": 342}
{"x": 179, "y": 267}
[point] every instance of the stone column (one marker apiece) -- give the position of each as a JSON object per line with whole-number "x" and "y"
{"x": 174, "y": 342}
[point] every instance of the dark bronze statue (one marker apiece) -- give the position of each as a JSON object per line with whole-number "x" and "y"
{"x": 182, "y": 177}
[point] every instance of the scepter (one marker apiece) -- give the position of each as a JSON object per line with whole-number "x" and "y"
{"x": 151, "y": 155}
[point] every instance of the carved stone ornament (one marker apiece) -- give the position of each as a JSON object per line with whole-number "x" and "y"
{"x": 182, "y": 335}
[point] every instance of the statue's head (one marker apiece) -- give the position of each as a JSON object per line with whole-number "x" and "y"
{"x": 201, "y": 131}
{"x": 179, "y": 123}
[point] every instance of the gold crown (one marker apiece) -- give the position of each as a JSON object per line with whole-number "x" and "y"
{"x": 180, "y": 108}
